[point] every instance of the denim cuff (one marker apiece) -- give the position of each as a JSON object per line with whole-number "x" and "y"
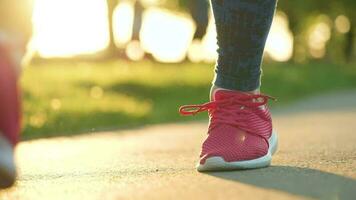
{"x": 233, "y": 83}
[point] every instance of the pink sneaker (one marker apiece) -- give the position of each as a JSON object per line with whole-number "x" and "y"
{"x": 240, "y": 131}
{"x": 9, "y": 117}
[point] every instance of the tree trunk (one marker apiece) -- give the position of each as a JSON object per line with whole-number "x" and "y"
{"x": 111, "y": 49}
{"x": 349, "y": 46}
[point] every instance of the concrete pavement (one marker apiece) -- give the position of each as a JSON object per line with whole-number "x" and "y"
{"x": 316, "y": 160}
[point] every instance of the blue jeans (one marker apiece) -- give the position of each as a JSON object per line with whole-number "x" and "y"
{"x": 242, "y": 29}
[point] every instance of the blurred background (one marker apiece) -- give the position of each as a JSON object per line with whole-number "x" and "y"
{"x": 95, "y": 65}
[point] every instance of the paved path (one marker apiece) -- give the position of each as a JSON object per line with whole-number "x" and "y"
{"x": 316, "y": 160}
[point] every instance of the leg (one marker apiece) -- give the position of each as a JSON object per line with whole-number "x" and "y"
{"x": 242, "y": 29}
{"x": 199, "y": 10}
{"x": 15, "y": 31}
{"x": 9, "y": 118}
{"x": 240, "y": 130}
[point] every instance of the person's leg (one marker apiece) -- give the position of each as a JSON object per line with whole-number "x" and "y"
{"x": 199, "y": 10}
{"x": 9, "y": 116}
{"x": 242, "y": 28}
{"x": 15, "y": 32}
{"x": 240, "y": 130}
{"x": 9, "y": 98}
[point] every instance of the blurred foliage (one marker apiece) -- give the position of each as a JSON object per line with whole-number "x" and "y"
{"x": 66, "y": 98}
{"x": 300, "y": 9}
{"x": 303, "y": 14}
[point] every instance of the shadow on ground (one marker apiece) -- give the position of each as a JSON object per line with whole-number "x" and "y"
{"x": 295, "y": 180}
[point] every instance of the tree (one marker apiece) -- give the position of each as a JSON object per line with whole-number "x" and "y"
{"x": 112, "y": 50}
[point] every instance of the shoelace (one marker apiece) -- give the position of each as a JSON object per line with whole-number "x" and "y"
{"x": 231, "y": 110}
{"x": 245, "y": 101}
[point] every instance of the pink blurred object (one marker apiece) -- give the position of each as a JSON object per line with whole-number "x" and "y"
{"x": 9, "y": 95}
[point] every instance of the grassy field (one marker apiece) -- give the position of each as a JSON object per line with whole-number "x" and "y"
{"x": 67, "y": 98}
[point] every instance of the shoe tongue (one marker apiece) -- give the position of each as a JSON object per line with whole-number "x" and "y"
{"x": 223, "y": 94}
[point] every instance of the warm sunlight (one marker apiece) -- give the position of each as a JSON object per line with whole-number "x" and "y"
{"x": 66, "y": 27}
{"x": 166, "y": 35}
{"x": 123, "y": 19}
{"x": 205, "y": 50}
{"x": 279, "y": 45}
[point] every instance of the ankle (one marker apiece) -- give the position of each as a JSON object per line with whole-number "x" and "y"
{"x": 215, "y": 88}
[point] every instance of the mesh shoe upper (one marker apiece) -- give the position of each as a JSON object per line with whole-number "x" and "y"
{"x": 240, "y": 126}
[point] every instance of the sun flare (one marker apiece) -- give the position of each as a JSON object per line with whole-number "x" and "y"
{"x": 64, "y": 28}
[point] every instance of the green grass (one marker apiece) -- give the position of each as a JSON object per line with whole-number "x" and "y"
{"x": 67, "y": 98}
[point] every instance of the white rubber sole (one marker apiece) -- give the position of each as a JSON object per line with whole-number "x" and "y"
{"x": 218, "y": 163}
{"x": 7, "y": 164}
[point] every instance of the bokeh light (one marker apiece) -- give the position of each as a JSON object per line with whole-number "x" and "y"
{"x": 134, "y": 51}
{"x": 319, "y": 35}
{"x": 61, "y": 31}
{"x": 279, "y": 44}
{"x": 56, "y": 104}
{"x": 123, "y": 20}
{"x": 342, "y": 24}
{"x": 165, "y": 34}
{"x": 96, "y": 92}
